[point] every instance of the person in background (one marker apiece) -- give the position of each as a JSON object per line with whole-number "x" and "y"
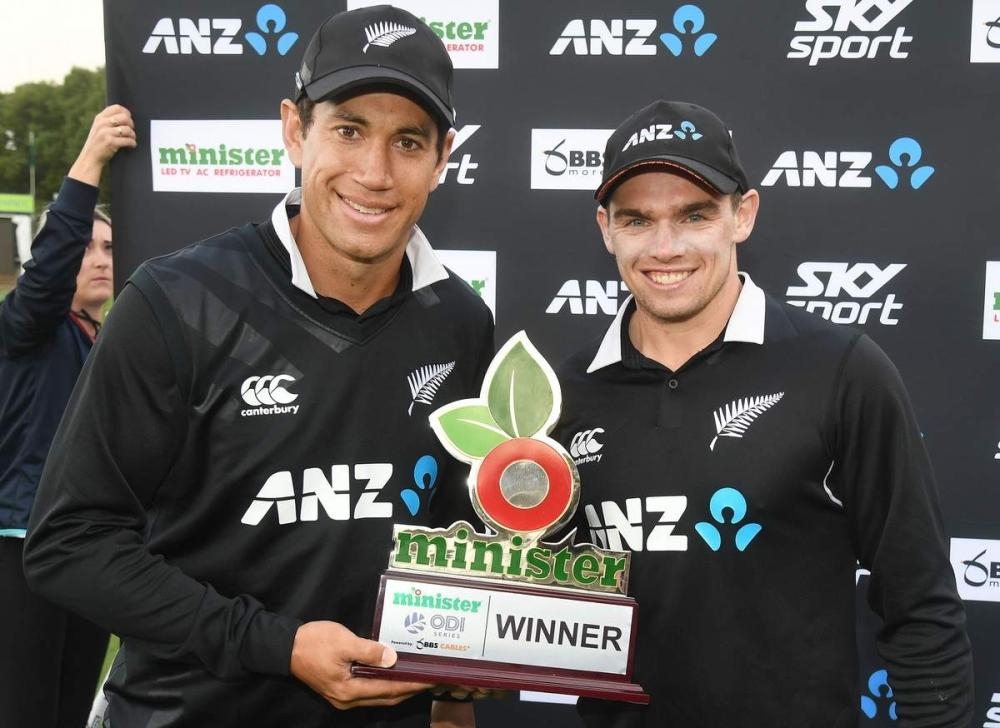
{"x": 760, "y": 453}
{"x": 49, "y": 657}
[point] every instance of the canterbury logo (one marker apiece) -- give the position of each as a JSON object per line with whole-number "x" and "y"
{"x": 734, "y": 419}
{"x": 385, "y": 34}
{"x": 425, "y": 382}
{"x": 584, "y": 446}
{"x": 268, "y": 395}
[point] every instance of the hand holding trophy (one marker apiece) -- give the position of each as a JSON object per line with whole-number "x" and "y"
{"x": 507, "y": 610}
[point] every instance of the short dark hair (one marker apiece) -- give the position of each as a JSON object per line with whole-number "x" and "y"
{"x": 305, "y": 106}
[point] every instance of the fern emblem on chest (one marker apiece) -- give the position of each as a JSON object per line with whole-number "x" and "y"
{"x": 735, "y": 418}
{"x": 425, "y": 382}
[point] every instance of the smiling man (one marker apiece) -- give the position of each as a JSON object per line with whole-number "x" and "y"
{"x": 750, "y": 455}
{"x": 254, "y": 418}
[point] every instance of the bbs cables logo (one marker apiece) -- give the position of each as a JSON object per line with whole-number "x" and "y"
{"x": 267, "y": 395}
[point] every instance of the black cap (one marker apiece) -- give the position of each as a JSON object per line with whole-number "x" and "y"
{"x": 673, "y": 134}
{"x": 374, "y": 46}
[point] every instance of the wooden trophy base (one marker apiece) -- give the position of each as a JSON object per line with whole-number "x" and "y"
{"x": 498, "y": 677}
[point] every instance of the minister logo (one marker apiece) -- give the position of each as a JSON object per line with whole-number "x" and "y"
{"x": 470, "y": 30}
{"x": 856, "y": 27}
{"x": 567, "y": 159}
{"x": 222, "y": 36}
{"x": 478, "y": 268}
{"x": 219, "y": 156}
{"x": 985, "y": 45}
{"x": 991, "y": 302}
{"x": 976, "y": 563}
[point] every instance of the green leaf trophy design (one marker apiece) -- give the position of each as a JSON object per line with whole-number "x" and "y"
{"x": 522, "y": 481}
{"x": 504, "y": 609}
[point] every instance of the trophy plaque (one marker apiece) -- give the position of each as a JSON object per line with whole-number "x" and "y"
{"x": 506, "y": 610}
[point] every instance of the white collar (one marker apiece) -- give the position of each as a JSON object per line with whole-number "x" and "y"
{"x": 746, "y": 323}
{"x": 426, "y": 267}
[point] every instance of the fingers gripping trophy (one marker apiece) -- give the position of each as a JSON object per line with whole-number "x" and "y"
{"x": 506, "y": 610}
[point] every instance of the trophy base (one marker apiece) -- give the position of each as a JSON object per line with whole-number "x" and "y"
{"x": 414, "y": 669}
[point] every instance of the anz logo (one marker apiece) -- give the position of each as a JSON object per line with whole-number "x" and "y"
{"x": 589, "y": 299}
{"x": 635, "y": 37}
{"x": 731, "y": 500}
{"x": 879, "y": 694}
{"x": 220, "y": 36}
{"x": 849, "y": 168}
{"x": 611, "y": 528}
{"x": 318, "y": 493}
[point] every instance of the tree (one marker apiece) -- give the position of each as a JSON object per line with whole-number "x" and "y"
{"x": 60, "y": 116}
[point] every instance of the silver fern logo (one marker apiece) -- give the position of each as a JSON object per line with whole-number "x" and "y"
{"x": 385, "y": 34}
{"x": 734, "y": 419}
{"x": 425, "y": 382}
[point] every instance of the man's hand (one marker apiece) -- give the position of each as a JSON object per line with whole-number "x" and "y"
{"x": 321, "y": 658}
{"x": 452, "y": 715}
{"x": 113, "y": 129}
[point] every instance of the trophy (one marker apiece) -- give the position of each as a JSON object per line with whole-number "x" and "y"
{"x": 506, "y": 610}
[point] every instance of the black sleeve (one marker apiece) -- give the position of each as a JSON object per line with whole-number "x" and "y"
{"x": 43, "y": 295}
{"x": 884, "y": 476}
{"x": 85, "y": 547}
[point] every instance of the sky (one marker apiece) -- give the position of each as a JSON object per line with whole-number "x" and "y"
{"x": 41, "y": 40}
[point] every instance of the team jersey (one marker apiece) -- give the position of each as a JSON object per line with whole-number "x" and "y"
{"x": 233, "y": 462}
{"x": 748, "y": 485}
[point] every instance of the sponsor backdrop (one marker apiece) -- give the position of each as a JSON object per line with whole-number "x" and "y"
{"x": 865, "y": 124}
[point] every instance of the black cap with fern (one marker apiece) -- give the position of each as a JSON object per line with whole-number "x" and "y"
{"x": 380, "y": 45}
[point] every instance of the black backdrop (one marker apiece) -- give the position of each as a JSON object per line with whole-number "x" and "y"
{"x": 816, "y": 92}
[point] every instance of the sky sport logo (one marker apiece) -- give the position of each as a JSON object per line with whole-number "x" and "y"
{"x": 267, "y": 395}
{"x": 826, "y": 283}
{"x": 847, "y": 168}
{"x": 221, "y": 36}
{"x": 850, "y": 30}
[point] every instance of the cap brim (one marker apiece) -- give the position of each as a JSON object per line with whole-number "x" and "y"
{"x": 356, "y": 77}
{"x": 701, "y": 172}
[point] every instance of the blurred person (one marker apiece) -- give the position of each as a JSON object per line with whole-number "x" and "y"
{"x": 49, "y": 657}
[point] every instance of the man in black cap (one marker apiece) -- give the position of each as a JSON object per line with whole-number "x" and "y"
{"x": 253, "y": 420}
{"x": 750, "y": 455}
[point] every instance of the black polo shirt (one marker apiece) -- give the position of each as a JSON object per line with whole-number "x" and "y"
{"x": 748, "y": 484}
